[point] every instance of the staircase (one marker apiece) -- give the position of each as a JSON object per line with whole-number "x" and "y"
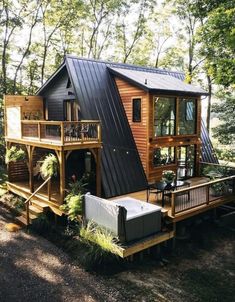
{"x": 35, "y": 209}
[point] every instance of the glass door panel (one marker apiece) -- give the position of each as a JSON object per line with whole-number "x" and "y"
{"x": 186, "y": 162}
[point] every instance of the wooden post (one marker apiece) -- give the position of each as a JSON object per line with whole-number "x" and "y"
{"x": 98, "y": 172}
{"x": 62, "y": 133}
{"x": 39, "y": 131}
{"x": 173, "y": 204}
{"x": 99, "y": 132}
{"x": 49, "y": 189}
{"x": 62, "y": 175}
{"x": 207, "y": 194}
{"x": 30, "y": 150}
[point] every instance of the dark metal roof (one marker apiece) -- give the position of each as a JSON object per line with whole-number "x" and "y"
{"x": 152, "y": 81}
{"x": 98, "y": 96}
{"x": 208, "y": 153}
{"x": 122, "y": 171}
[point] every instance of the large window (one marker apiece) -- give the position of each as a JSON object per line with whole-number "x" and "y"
{"x": 136, "y": 110}
{"x": 187, "y": 116}
{"x": 164, "y": 116}
{"x": 163, "y": 156}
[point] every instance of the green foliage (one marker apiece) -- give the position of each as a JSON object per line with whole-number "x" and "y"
{"x": 74, "y": 200}
{"x": 14, "y": 154}
{"x": 218, "y": 42}
{"x": 73, "y": 206}
{"x": 101, "y": 244}
{"x": 19, "y": 204}
{"x": 215, "y": 171}
{"x": 226, "y": 155}
{"x": 42, "y": 224}
{"x": 49, "y": 166}
{"x": 225, "y": 110}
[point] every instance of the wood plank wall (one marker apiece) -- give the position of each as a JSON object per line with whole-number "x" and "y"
{"x": 143, "y": 131}
{"x": 139, "y": 129}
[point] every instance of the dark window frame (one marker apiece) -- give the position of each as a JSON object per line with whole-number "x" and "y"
{"x": 138, "y": 120}
{"x": 173, "y": 161}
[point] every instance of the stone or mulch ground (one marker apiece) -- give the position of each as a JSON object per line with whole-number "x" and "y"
{"x": 33, "y": 269}
{"x": 201, "y": 269}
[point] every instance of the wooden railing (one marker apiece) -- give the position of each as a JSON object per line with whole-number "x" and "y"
{"x": 203, "y": 194}
{"x": 61, "y": 132}
{"x": 27, "y": 201}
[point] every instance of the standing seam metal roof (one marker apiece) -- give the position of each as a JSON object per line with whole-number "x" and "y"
{"x": 99, "y": 98}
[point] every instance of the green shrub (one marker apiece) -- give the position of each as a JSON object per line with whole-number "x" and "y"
{"x": 42, "y": 224}
{"x": 73, "y": 206}
{"x": 49, "y": 166}
{"x": 101, "y": 243}
{"x": 14, "y": 154}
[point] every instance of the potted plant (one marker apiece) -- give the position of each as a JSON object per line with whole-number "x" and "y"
{"x": 168, "y": 176}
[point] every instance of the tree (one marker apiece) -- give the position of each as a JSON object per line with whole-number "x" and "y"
{"x": 225, "y": 110}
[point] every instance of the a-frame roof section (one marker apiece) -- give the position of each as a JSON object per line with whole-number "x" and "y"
{"x": 156, "y": 82}
{"x": 98, "y": 97}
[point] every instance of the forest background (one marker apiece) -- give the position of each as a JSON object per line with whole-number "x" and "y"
{"x": 193, "y": 36}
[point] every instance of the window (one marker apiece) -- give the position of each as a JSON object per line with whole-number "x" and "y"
{"x": 187, "y": 116}
{"x": 71, "y": 110}
{"x": 136, "y": 110}
{"x": 163, "y": 156}
{"x": 164, "y": 116}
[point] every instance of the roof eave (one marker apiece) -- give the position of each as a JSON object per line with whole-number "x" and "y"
{"x": 40, "y": 90}
{"x": 178, "y": 92}
{"x": 114, "y": 72}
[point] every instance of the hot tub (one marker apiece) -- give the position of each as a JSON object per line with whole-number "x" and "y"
{"x": 143, "y": 219}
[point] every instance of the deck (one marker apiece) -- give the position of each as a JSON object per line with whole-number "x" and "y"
{"x": 197, "y": 198}
{"x": 57, "y": 134}
{"x": 22, "y": 189}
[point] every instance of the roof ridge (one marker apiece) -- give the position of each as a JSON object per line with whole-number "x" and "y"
{"x": 125, "y": 65}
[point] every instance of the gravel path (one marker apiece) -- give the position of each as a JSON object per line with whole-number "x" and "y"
{"x": 33, "y": 269}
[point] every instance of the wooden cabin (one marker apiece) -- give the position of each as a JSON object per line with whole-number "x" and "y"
{"x": 123, "y": 124}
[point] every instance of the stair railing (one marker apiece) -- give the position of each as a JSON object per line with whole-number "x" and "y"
{"x": 27, "y": 201}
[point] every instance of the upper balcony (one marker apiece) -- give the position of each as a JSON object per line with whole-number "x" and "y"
{"x": 24, "y": 123}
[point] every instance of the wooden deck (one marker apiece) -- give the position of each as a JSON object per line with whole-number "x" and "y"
{"x": 187, "y": 202}
{"x": 22, "y": 189}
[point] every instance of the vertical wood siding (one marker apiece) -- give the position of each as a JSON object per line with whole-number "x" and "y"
{"x": 139, "y": 129}
{"x": 55, "y": 94}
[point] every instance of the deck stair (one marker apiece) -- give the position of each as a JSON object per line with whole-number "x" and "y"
{"x": 35, "y": 209}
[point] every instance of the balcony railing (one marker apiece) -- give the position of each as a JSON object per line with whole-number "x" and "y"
{"x": 203, "y": 194}
{"x": 61, "y": 132}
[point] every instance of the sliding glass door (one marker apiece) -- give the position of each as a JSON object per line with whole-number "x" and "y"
{"x": 186, "y": 162}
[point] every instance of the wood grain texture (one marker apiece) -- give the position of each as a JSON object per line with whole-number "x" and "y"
{"x": 139, "y": 129}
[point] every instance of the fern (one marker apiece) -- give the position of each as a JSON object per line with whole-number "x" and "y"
{"x": 49, "y": 166}
{"x": 14, "y": 154}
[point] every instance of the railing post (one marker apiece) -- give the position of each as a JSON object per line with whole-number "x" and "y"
{"x": 62, "y": 132}
{"x": 207, "y": 194}
{"x": 39, "y": 131}
{"x": 49, "y": 189}
{"x": 173, "y": 204}
{"x": 27, "y": 213}
{"x": 99, "y": 132}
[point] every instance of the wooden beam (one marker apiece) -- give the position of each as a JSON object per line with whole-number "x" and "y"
{"x": 62, "y": 174}
{"x": 98, "y": 172}
{"x": 144, "y": 244}
{"x": 30, "y": 150}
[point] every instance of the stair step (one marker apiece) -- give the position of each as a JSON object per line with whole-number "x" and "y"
{"x": 21, "y": 220}
{"x": 35, "y": 210}
{"x": 39, "y": 204}
{"x": 31, "y": 216}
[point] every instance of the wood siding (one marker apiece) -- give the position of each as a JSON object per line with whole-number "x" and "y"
{"x": 55, "y": 94}
{"x": 139, "y": 129}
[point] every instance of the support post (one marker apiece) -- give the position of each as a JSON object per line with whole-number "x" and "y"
{"x": 62, "y": 174}
{"x": 98, "y": 172}
{"x": 30, "y": 150}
